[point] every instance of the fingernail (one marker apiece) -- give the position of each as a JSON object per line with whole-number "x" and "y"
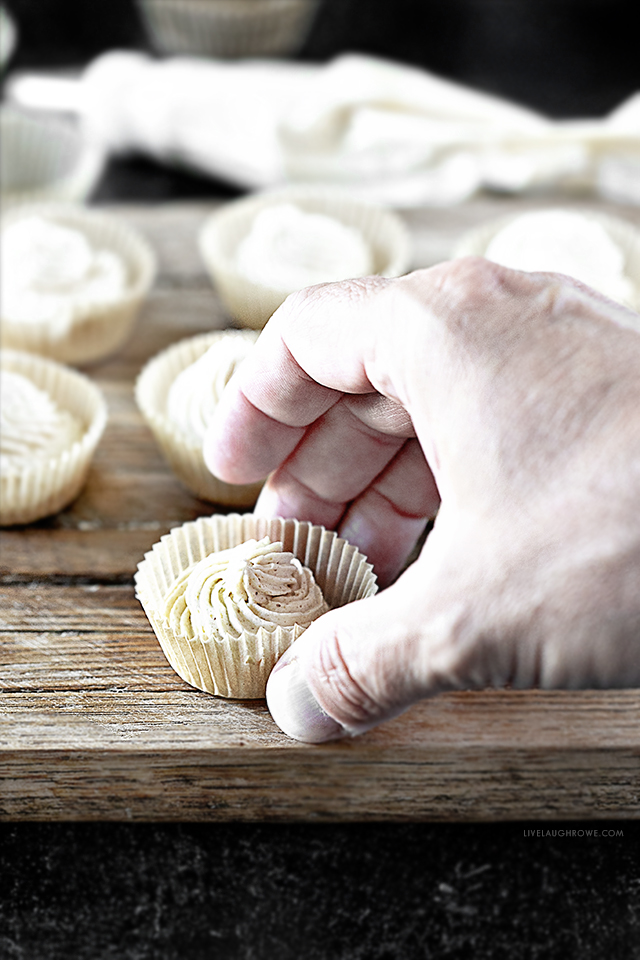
{"x": 294, "y": 707}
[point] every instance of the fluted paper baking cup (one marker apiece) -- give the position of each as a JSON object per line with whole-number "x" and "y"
{"x": 98, "y": 329}
{"x": 46, "y": 486}
{"x": 183, "y": 454}
{"x": 250, "y": 303}
{"x": 45, "y": 158}
{"x": 239, "y": 669}
{"x": 8, "y": 36}
{"x": 623, "y": 233}
{"x": 228, "y": 28}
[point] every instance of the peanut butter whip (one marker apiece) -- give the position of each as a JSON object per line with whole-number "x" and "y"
{"x": 52, "y": 274}
{"x": 32, "y": 426}
{"x": 564, "y": 241}
{"x": 288, "y": 249}
{"x": 241, "y": 590}
{"x": 196, "y": 391}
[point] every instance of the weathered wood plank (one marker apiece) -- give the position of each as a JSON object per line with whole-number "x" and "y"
{"x": 94, "y": 724}
{"x": 74, "y": 704}
{"x": 333, "y": 782}
{"x": 43, "y": 606}
{"x": 167, "y": 316}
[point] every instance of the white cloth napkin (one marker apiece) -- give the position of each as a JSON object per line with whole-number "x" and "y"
{"x": 390, "y": 133}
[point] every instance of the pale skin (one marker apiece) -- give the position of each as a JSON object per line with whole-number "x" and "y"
{"x": 508, "y": 403}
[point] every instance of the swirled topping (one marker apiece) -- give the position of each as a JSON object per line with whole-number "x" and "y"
{"x": 195, "y": 392}
{"x": 563, "y": 241}
{"x": 289, "y": 249}
{"x": 254, "y": 585}
{"x": 32, "y": 426}
{"x": 51, "y": 273}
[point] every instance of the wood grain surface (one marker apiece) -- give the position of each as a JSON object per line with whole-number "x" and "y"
{"x": 95, "y": 725}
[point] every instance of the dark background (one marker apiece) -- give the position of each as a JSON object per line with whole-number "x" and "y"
{"x": 359, "y": 891}
{"x": 565, "y": 58}
{"x": 317, "y": 892}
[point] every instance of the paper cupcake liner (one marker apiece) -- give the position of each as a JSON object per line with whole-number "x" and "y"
{"x": 45, "y": 158}
{"x": 623, "y": 233}
{"x": 228, "y": 28}
{"x": 239, "y": 669}
{"x": 183, "y": 456}
{"x": 98, "y": 329}
{"x": 49, "y": 485}
{"x": 8, "y": 37}
{"x": 251, "y": 304}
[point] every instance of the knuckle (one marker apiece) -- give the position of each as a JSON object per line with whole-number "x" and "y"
{"x": 309, "y": 307}
{"x": 470, "y": 296}
{"x": 471, "y": 284}
{"x": 296, "y": 303}
{"x": 468, "y": 280}
{"x": 346, "y": 698}
{"x": 308, "y": 298}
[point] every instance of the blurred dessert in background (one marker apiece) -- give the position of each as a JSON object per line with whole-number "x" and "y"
{"x": 228, "y": 28}
{"x": 51, "y": 420}
{"x": 73, "y": 281}
{"x": 600, "y": 250}
{"x": 262, "y": 248}
{"x": 291, "y": 249}
{"x": 177, "y": 392}
{"x": 46, "y": 156}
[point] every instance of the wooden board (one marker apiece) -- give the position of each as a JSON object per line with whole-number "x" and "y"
{"x": 94, "y": 724}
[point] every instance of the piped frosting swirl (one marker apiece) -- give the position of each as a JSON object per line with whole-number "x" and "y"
{"x": 52, "y": 274}
{"x": 564, "y": 241}
{"x": 196, "y": 391}
{"x": 32, "y": 426}
{"x": 256, "y": 585}
{"x": 288, "y": 249}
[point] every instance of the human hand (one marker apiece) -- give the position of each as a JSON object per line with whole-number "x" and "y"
{"x": 512, "y": 401}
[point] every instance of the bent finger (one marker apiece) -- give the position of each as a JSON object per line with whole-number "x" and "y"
{"x": 311, "y": 352}
{"x": 337, "y": 459}
{"x": 387, "y": 519}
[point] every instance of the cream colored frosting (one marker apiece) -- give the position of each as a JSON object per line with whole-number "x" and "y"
{"x": 32, "y": 426}
{"x": 564, "y": 241}
{"x": 254, "y": 585}
{"x": 289, "y": 249}
{"x": 195, "y": 392}
{"x": 52, "y": 274}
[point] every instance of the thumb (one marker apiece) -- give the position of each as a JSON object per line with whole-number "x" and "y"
{"x": 366, "y": 662}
